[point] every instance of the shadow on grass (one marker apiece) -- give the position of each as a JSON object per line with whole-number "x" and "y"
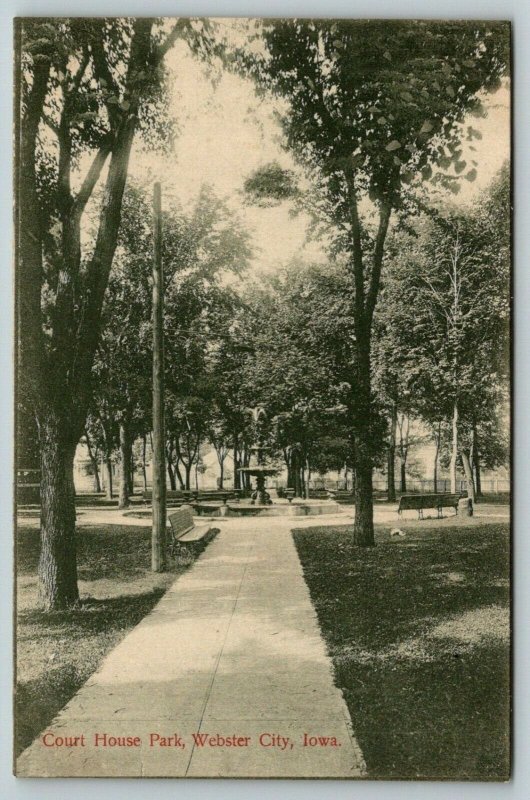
{"x": 411, "y": 628}
{"x": 103, "y": 551}
{"x": 91, "y": 630}
{"x": 93, "y": 615}
{"x": 58, "y": 651}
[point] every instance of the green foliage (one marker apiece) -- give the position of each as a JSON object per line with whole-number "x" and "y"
{"x": 442, "y": 325}
{"x": 200, "y": 247}
{"x": 383, "y": 99}
{"x": 270, "y": 185}
{"x": 302, "y": 367}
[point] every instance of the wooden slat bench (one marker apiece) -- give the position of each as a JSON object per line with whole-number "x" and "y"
{"x": 419, "y": 502}
{"x": 221, "y": 495}
{"x": 178, "y": 496}
{"x": 185, "y": 532}
{"x": 341, "y": 496}
{"x": 173, "y": 496}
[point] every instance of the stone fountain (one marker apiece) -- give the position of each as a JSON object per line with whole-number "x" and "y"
{"x": 260, "y": 471}
{"x": 260, "y": 502}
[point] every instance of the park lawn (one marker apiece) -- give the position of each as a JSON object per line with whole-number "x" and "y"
{"x": 58, "y": 651}
{"x": 418, "y": 631}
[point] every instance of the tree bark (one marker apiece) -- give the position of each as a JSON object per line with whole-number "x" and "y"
{"x": 108, "y": 459}
{"x": 476, "y": 464}
{"x": 125, "y": 454}
{"x": 403, "y": 451}
{"x": 363, "y": 529}
{"x": 246, "y": 462}
{"x": 108, "y": 464}
{"x": 171, "y": 475}
{"x": 57, "y": 563}
{"x": 131, "y": 470}
{"x": 391, "y": 457}
{"x": 94, "y": 462}
{"x": 436, "y": 453}
{"x": 469, "y": 476}
{"x": 237, "y": 475}
{"x": 179, "y": 476}
{"x": 144, "y": 466}
{"x": 403, "y": 476}
{"x": 454, "y": 448}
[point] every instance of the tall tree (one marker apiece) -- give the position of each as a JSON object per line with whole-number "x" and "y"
{"x": 87, "y": 85}
{"x": 446, "y": 305}
{"x": 372, "y": 106}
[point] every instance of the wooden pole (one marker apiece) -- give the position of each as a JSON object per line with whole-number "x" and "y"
{"x": 158, "y": 538}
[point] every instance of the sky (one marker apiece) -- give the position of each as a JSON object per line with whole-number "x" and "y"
{"x": 226, "y": 132}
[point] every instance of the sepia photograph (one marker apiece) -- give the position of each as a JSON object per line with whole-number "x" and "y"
{"x": 263, "y": 383}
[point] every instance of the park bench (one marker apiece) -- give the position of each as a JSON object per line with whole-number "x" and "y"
{"x": 208, "y": 497}
{"x": 173, "y": 496}
{"x": 419, "y": 502}
{"x": 184, "y": 532}
{"x": 341, "y": 496}
{"x": 179, "y": 496}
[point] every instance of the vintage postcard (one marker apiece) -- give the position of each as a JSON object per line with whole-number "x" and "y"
{"x": 263, "y": 273}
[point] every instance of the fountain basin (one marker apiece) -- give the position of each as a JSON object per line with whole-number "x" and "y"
{"x": 294, "y": 509}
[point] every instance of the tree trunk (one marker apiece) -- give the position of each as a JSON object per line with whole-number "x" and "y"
{"x": 246, "y": 462}
{"x": 476, "y": 464}
{"x": 363, "y": 529}
{"x": 125, "y": 455}
{"x": 287, "y": 457}
{"x": 131, "y": 470}
{"x": 469, "y": 476}
{"x": 391, "y": 457}
{"x": 171, "y": 474}
{"x": 221, "y": 477}
{"x": 57, "y": 563}
{"x": 108, "y": 463}
{"x": 94, "y": 462}
{"x": 144, "y": 467}
{"x": 436, "y": 453}
{"x": 296, "y": 473}
{"x": 454, "y": 448}
{"x": 477, "y": 474}
{"x": 187, "y": 468}
{"x": 179, "y": 476}
{"x": 403, "y": 451}
{"x": 237, "y": 474}
{"x": 403, "y": 476}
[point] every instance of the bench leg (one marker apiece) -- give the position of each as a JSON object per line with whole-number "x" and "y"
{"x": 184, "y": 553}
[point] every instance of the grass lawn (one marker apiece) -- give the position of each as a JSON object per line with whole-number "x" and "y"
{"x": 418, "y": 630}
{"x": 58, "y": 651}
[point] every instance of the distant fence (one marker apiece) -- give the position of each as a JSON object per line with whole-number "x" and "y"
{"x": 414, "y": 485}
{"x": 488, "y": 486}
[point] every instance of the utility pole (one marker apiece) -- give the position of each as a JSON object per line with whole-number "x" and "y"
{"x": 158, "y": 538}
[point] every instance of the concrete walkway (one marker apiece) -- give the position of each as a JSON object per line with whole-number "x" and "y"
{"x": 227, "y": 676}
